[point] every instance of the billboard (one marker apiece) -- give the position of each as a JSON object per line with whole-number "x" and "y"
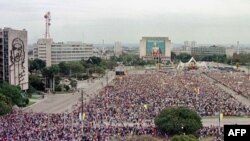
{"x": 155, "y": 48}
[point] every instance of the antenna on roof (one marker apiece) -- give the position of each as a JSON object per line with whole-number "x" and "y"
{"x": 47, "y": 17}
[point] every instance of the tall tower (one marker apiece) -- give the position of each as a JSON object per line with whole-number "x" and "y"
{"x": 238, "y": 47}
{"x": 47, "y": 17}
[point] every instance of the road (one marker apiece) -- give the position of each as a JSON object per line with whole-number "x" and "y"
{"x": 237, "y": 96}
{"x": 59, "y": 103}
{"x": 229, "y": 120}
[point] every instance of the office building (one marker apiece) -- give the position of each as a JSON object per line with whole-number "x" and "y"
{"x": 14, "y": 57}
{"x": 54, "y": 53}
{"x": 209, "y": 51}
{"x": 42, "y": 50}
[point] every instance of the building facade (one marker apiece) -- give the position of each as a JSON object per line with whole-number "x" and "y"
{"x": 54, "y": 53}
{"x": 208, "y": 51}
{"x": 14, "y": 57}
{"x": 42, "y": 50}
{"x": 155, "y": 48}
{"x": 118, "y": 49}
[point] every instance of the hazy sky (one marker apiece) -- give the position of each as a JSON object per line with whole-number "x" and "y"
{"x": 205, "y": 21}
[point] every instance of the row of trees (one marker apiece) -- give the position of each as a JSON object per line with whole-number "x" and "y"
{"x": 242, "y": 59}
{"x": 11, "y": 95}
{"x": 41, "y": 75}
{"x": 131, "y": 60}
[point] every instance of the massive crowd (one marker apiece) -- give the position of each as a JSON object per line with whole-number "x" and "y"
{"x": 239, "y": 82}
{"x": 127, "y": 107}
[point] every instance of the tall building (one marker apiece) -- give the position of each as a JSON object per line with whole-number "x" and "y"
{"x": 42, "y": 50}
{"x": 54, "y": 53}
{"x": 186, "y": 44}
{"x": 14, "y": 57}
{"x": 155, "y": 48}
{"x": 118, "y": 48}
{"x": 193, "y": 44}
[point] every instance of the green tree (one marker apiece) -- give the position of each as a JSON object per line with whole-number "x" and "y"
{"x": 36, "y": 64}
{"x": 173, "y": 56}
{"x": 100, "y": 70}
{"x": 184, "y": 138}
{"x": 64, "y": 68}
{"x": 13, "y": 92}
{"x": 94, "y": 60}
{"x": 5, "y": 104}
{"x": 178, "y": 121}
{"x": 75, "y": 67}
{"x": 36, "y": 82}
{"x": 50, "y": 73}
{"x": 184, "y": 57}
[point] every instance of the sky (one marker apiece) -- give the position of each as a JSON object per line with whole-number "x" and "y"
{"x": 91, "y": 21}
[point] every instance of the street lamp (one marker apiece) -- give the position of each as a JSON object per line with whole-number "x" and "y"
{"x": 182, "y": 128}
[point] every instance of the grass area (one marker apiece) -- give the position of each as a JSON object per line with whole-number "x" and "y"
{"x": 31, "y": 102}
{"x": 64, "y": 92}
{"x": 36, "y": 97}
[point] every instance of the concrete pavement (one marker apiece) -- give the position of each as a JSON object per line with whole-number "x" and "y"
{"x": 59, "y": 103}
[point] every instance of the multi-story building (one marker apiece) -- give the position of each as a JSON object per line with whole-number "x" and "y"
{"x": 118, "y": 49}
{"x": 42, "y": 50}
{"x": 156, "y": 48}
{"x": 208, "y": 51}
{"x": 70, "y": 51}
{"x": 193, "y": 44}
{"x": 14, "y": 57}
{"x": 54, "y": 53}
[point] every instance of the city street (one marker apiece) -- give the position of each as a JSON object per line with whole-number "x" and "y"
{"x": 63, "y": 102}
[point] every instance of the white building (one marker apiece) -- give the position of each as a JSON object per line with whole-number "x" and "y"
{"x": 54, "y": 53}
{"x": 42, "y": 50}
{"x": 14, "y": 57}
{"x": 118, "y": 49}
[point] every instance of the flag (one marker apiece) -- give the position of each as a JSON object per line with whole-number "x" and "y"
{"x": 221, "y": 116}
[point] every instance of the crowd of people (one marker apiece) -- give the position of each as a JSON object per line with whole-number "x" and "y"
{"x": 127, "y": 107}
{"x": 239, "y": 82}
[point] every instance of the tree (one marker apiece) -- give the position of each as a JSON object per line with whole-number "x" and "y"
{"x": 50, "y": 73}
{"x": 75, "y": 67}
{"x": 94, "y": 60}
{"x": 184, "y": 138}
{"x": 173, "y": 56}
{"x": 36, "y": 82}
{"x": 36, "y": 64}
{"x": 99, "y": 70}
{"x": 13, "y": 92}
{"x": 5, "y": 104}
{"x": 64, "y": 69}
{"x": 178, "y": 121}
{"x": 184, "y": 57}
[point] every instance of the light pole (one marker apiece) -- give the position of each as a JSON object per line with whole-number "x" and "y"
{"x": 107, "y": 77}
{"x": 82, "y": 113}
